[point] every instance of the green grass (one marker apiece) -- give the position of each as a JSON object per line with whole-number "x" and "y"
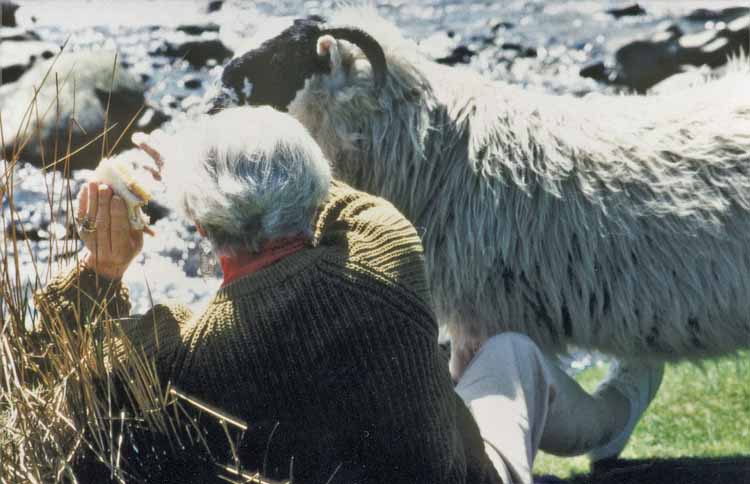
{"x": 699, "y": 412}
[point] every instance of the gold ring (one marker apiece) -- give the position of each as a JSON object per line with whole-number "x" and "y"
{"x": 85, "y": 224}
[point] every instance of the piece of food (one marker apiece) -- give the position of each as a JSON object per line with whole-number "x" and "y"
{"x": 117, "y": 173}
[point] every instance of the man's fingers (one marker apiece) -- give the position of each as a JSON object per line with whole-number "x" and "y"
{"x": 91, "y": 206}
{"x": 119, "y": 228}
{"x": 103, "y": 237}
{"x": 141, "y": 140}
{"x": 83, "y": 200}
{"x": 153, "y": 154}
{"x": 136, "y": 239}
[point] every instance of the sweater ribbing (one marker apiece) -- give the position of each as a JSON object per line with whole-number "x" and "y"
{"x": 338, "y": 342}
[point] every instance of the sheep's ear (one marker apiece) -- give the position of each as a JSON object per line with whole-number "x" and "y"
{"x": 369, "y": 47}
{"x": 328, "y": 47}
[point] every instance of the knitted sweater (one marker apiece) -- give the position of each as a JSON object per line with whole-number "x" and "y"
{"x": 336, "y": 343}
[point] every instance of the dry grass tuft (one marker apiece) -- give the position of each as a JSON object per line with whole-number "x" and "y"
{"x": 68, "y": 411}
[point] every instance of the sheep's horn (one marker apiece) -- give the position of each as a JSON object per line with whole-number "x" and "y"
{"x": 370, "y": 47}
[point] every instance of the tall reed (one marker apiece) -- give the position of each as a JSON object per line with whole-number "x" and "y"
{"x": 77, "y": 402}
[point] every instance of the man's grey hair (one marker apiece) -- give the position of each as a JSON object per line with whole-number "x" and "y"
{"x": 246, "y": 176}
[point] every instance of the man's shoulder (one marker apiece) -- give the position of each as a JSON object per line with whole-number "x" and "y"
{"x": 372, "y": 238}
{"x": 351, "y": 206}
{"x": 365, "y": 222}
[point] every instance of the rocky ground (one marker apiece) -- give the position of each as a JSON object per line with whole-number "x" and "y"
{"x": 169, "y": 53}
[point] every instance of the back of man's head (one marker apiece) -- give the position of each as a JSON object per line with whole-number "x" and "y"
{"x": 247, "y": 175}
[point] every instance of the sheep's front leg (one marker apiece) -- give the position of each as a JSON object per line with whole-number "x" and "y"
{"x": 463, "y": 349}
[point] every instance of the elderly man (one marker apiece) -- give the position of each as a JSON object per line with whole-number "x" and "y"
{"x": 322, "y": 335}
{"x": 323, "y": 321}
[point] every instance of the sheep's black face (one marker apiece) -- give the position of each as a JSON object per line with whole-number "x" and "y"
{"x": 274, "y": 72}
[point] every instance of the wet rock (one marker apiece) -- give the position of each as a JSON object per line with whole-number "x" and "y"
{"x": 501, "y": 24}
{"x": 214, "y": 6}
{"x": 724, "y": 15}
{"x": 713, "y": 47}
{"x": 596, "y": 70}
{"x": 17, "y": 34}
{"x": 459, "y": 55}
{"x": 156, "y": 211}
{"x": 17, "y": 57}
{"x": 197, "y": 51}
{"x": 191, "y": 82}
{"x": 644, "y": 63}
{"x": 197, "y": 29}
{"x": 93, "y": 79}
{"x": 521, "y": 50}
{"x": 629, "y": 11}
{"x": 23, "y": 231}
{"x": 8, "y": 13}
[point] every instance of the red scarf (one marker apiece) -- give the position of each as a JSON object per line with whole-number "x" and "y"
{"x": 242, "y": 263}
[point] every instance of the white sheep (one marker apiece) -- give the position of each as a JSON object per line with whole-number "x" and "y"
{"x": 615, "y": 223}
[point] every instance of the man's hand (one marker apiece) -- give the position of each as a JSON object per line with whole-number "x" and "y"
{"x": 105, "y": 230}
{"x": 146, "y": 144}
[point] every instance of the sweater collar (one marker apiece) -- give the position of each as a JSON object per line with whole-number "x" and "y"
{"x": 242, "y": 263}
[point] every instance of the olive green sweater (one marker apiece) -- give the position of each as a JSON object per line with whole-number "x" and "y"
{"x": 337, "y": 343}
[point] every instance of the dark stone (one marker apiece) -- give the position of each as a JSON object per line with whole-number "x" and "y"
{"x": 522, "y": 51}
{"x": 725, "y": 15}
{"x": 629, "y": 11}
{"x": 197, "y": 29}
{"x": 17, "y": 57}
{"x": 502, "y": 25}
{"x": 17, "y": 34}
{"x": 460, "y": 55}
{"x": 643, "y": 63}
{"x": 712, "y": 47}
{"x": 214, "y": 6}
{"x": 24, "y": 231}
{"x": 191, "y": 82}
{"x": 93, "y": 82}
{"x": 156, "y": 211}
{"x": 12, "y": 73}
{"x": 8, "y": 13}
{"x": 595, "y": 70}
{"x": 197, "y": 52}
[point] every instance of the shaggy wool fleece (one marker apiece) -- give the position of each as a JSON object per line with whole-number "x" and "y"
{"x": 615, "y": 223}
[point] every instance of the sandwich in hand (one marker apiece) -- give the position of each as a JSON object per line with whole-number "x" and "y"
{"x": 117, "y": 173}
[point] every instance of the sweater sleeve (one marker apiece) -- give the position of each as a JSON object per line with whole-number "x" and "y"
{"x": 79, "y": 295}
